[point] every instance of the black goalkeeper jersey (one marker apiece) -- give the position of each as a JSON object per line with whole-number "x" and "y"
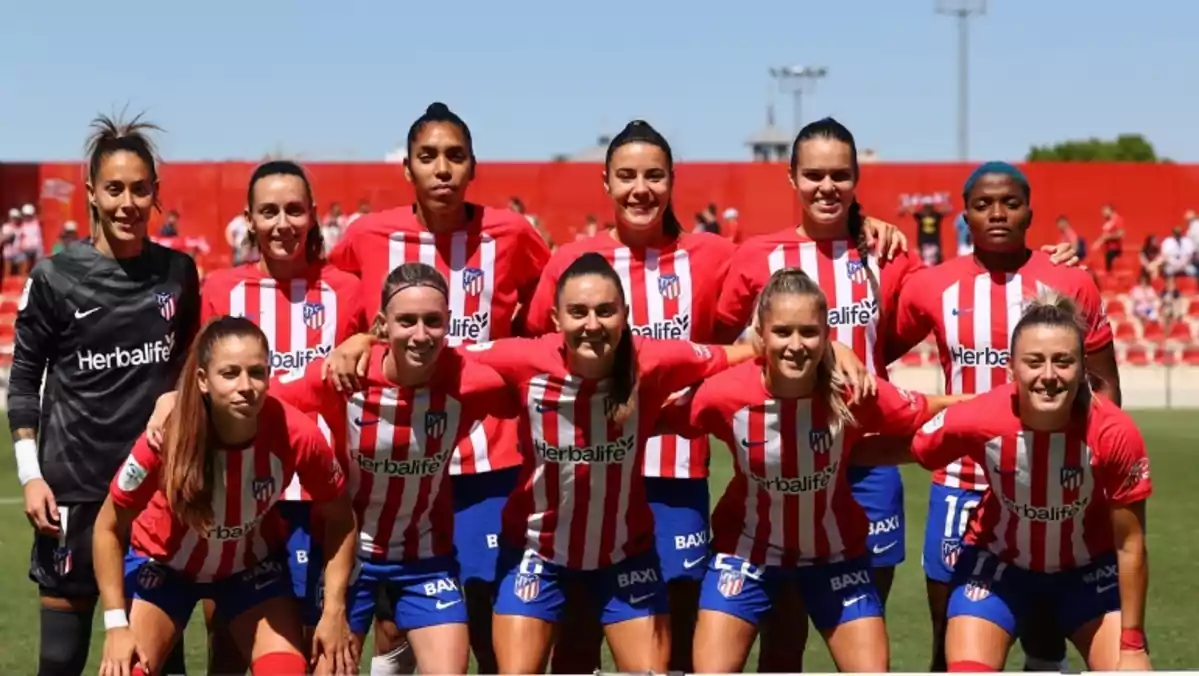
{"x": 111, "y": 336}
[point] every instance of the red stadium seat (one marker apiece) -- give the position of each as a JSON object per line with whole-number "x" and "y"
{"x": 5, "y": 360}
{"x": 1190, "y": 355}
{"x": 1152, "y": 331}
{"x": 13, "y": 285}
{"x": 1116, "y": 309}
{"x": 1187, "y": 286}
{"x": 1192, "y": 309}
{"x": 1180, "y": 330}
{"x": 1165, "y": 357}
{"x": 1125, "y": 330}
{"x": 1137, "y": 355}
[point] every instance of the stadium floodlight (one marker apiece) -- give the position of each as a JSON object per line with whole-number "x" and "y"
{"x": 795, "y": 79}
{"x": 963, "y": 10}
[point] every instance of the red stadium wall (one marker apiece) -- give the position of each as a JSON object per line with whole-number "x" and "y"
{"x": 1152, "y": 198}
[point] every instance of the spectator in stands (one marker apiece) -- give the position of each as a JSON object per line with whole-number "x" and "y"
{"x": 9, "y": 233}
{"x": 1112, "y": 237}
{"x": 961, "y": 231}
{"x": 68, "y": 236}
{"x": 1178, "y": 254}
{"x": 706, "y": 221}
{"x": 1070, "y": 236}
{"x": 237, "y": 237}
{"x": 1191, "y": 220}
{"x": 731, "y": 228}
{"x": 1151, "y": 257}
{"x": 170, "y": 227}
{"x": 30, "y": 236}
{"x": 928, "y": 231}
{"x": 1171, "y": 302}
{"x": 591, "y": 228}
{"x": 364, "y": 208}
{"x": 1145, "y": 303}
{"x": 333, "y": 225}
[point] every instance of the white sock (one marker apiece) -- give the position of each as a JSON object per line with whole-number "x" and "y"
{"x": 398, "y": 662}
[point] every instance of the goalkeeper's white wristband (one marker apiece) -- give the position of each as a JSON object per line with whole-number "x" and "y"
{"x": 115, "y": 619}
{"x": 28, "y": 468}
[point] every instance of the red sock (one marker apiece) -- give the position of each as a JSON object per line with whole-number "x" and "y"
{"x": 279, "y": 664}
{"x": 139, "y": 671}
{"x": 961, "y": 666}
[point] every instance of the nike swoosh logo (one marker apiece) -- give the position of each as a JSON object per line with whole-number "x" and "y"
{"x": 634, "y": 600}
{"x": 546, "y": 408}
{"x": 849, "y": 602}
{"x": 81, "y": 315}
{"x": 1105, "y": 587}
{"x": 363, "y": 423}
{"x": 880, "y": 550}
{"x": 747, "y": 443}
{"x": 442, "y": 605}
{"x": 689, "y": 564}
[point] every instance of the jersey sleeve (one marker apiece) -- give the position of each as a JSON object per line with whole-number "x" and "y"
{"x": 318, "y": 468}
{"x": 734, "y": 307}
{"x": 506, "y": 356}
{"x": 138, "y": 478}
{"x": 684, "y": 416}
{"x": 908, "y": 321}
{"x": 892, "y": 411}
{"x": 303, "y": 390}
{"x": 532, "y": 261}
{"x": 1094, "y": 313}
{"x": 37, "y": 330}
{"x": 490, "y": 396}
{"x": 1123, "y": 468}
{"x": 208, "y": 308}
{"x": 943, "y": 439}
{"x": 188, "y": 314}
{"x": 674, "y": 364}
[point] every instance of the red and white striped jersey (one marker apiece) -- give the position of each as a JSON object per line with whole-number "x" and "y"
{"x": 671, "y": 294}
{"x": 1048, "y": 506}
{"x": 972, "y": 311}
{"x": 789, "y": 502}
{"x": 249, "y": 481}
{"x": 303, "y": 318}
{"x": 580, "y": 500}
{"x": 396, "y": 442}
{"x": 492, "y": 267}
{"x": 853, "y": 312}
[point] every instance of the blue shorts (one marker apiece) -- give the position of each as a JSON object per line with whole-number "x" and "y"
{"x": 949, "y": 511}
{"x": 985, "y": 587}
{"x": 176, "y": 595}
{"x": 681, "y": 508}
{"x": 833, "y": 593}
{"x": 305, "y": 560}
{"x": 533, "y": 587}
{"x": 424, "y": 593}
{"x": 479, "y": 501}
{"x": 879, "y": 490}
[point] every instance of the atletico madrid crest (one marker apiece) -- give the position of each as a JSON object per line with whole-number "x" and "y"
{"x": 150, "y": 576}
{"x": 1071, "y": 478}
{"x": 62, "y": 561}
{"x": 731, "y": 583}
{"x": 668, "y": 286}
{"x": 856, "y": 271}
{"x": 527, "y": 587}
{"x": 314, "y": 315}
{"x": 264, "y": 488}
{"x": 951, "y": 549}
{"x": 472, "y": 281}
{"x": 435, "y": 422}
{"x": 166, "y": 304}
{"x": 977, "y": 590}
{"x": 820, "y": 440}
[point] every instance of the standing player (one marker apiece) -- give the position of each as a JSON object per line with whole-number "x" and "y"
{"x": 1061, "y": 525}
{"x": 579, "y": 514}
{"x": 203, "y": 524}
{"x": 396, "y": 436}
{"x": 829, "y": 245}
{"x": 109, "y": 322}
{"x": 787, "y": 517}
{"x": 492, "y": 259}
{"x": 672, "y": 280}
{"x": 971, "y": 304}
{"x": 305, "y": 307}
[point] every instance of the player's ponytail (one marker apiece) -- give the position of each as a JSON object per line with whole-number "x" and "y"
{"x": 623, "y": 393}
{"x": 830, "y": 382}
{"x": 403, "y": 277}
{"x": 187, "y": 477}
{"x": 110, "y": 135}
{"x": 640, "y": 131}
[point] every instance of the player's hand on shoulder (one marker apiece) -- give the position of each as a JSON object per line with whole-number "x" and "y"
{"x": 1062, "y": 253}
{"x": 40, "y": 507}
{"x": 346, "y": 365}
{"x": 156, "y": 427}
{"x": 885, "y": 239}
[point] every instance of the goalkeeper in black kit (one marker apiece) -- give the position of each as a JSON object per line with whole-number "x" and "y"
{"x": 108, "y": 321}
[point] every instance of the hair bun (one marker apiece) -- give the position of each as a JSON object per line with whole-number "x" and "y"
{"x": 437, "y": 108}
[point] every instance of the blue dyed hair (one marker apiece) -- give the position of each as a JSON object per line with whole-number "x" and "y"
{"x": 1001, "y": 168}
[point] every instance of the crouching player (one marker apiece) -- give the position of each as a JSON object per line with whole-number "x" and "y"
{"x": 199, "y": 520}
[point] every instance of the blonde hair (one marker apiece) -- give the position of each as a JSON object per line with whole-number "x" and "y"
{"x": 1057, "y": 310}
{"x": 829, "y": 381}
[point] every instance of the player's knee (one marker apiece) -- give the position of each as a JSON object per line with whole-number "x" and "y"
{"x": 969, "y": 667}
{"x": 64, "y": 642}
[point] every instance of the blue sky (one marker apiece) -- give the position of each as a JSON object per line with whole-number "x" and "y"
{"x": 235, "y": 80}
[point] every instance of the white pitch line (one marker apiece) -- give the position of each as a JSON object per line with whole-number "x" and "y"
{"x": 12, "y": 501}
